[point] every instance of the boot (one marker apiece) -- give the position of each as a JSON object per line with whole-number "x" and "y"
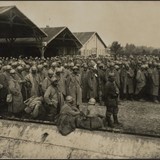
{"x": 116, "y": 122}
{"x": 115, "y": 119}
{"x": 110, "y": 124}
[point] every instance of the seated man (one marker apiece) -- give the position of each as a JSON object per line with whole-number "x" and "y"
{"x": 34, "y": 108}
{"x": 92, "y": 119}
{"x": 67, "y": 119}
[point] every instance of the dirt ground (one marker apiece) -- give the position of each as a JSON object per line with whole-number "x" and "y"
{"x": 138, "y": 117}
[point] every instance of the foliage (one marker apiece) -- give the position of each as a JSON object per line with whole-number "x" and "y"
{"x": 131, "y": 49}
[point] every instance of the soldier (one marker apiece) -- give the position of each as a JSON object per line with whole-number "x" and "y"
{"x": 33, "y": 82}
{"x": 54, "y": 99}
{"x": 22, "y": 82}
{"x": 47, "y": 81}
{"x": 111, "y": 100}
{"x": 155, "y": 83}
{"x": 127, "y": 76}
{"x": 92, "y": 81}
{"x": 68, "y": 115}
{"x": 61, "y": 81}
{"x": 74, "y": 86}
{"x": 3, "y": 91}
{"x": 101, "y": 82}
{"x": 84, "y": 83}
{"x": 140, "y": 83}
{"x": 16, "y": 106}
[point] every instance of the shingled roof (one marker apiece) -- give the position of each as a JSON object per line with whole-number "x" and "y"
{"x": 85, "y": 36}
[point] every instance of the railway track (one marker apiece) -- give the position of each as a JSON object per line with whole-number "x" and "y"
{"x": 106, "y": 129}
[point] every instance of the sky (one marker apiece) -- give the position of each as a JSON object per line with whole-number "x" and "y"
{"x": 136, "y": 22}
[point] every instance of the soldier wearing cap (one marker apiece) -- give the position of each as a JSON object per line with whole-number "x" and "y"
{"x": 54, "y": 99}
{"x": 111, "y": 100}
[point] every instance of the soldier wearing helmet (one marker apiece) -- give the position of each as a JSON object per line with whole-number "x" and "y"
{"x": 74, "y": 86}
{"x": 111, "y": 100}
{"x": 84, "y": 74}
{"x": 54, "y": 99}
{"x": 47, "y": 81}
{"x": 17, "y": 106}
{"x": 33, "y": 82}
{"x": 68, "y": 117}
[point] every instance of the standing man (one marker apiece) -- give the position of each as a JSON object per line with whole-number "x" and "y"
{"x": 84, "y": 83}
{"x": 74, "y": 84}
{"x": 33, "y": 82}
{"x": 111, "y": 100}
{"x": 54, "y": 99}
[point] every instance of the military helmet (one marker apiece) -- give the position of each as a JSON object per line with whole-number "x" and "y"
{"x": 69, "y": 98}
{"x": 92, "y": 101}
{"x": 50, "y": 71}
{"x": 19, "y": 68}
{"x": 54, "y": 79}
{"x": 111, "y": 74}
{"x": 12, "y": 71}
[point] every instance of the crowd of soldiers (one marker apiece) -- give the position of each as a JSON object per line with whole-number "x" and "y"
{"x": 82, "y": 78}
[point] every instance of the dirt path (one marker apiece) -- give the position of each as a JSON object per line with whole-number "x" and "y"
{"x": 138, "y": 117}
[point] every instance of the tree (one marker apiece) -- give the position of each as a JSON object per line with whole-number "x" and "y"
{"x": 115, "y": 48}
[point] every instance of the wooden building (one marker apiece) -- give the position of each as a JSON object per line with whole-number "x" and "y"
{"x": 15, "y": 25}
{"x": 60, "y": 41}
{"x": 92, "y": 43}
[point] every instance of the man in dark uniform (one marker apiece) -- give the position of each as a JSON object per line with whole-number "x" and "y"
{"x": 111, "y": 100}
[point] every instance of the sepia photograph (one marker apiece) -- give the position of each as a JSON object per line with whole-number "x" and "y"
{"x": 79, "y": 80}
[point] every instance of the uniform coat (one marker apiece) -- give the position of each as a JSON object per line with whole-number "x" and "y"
{"x": 155, "y": 82}
{"x": 140, "y": 81}
{"x": 16, "y": 105}
{"x": 74, "y": 88}
{"x": 92, "y": 79}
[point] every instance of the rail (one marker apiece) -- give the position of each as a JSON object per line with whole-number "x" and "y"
{"x": 113, "y": 130}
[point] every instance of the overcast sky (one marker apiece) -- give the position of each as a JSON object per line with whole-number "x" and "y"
{"x": 127, "y": 22}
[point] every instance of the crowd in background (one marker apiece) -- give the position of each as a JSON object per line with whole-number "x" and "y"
{"x": 49, "y": 81}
